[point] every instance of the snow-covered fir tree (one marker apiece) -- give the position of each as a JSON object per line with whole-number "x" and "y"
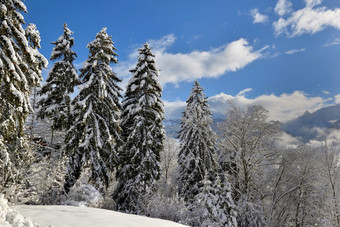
{"x": 33, "y": 38}
{"x": 203, "y": 211}
{"x": 20, "y": 70}
{"x": 225, "y": 208}
{"x": 143, "y": 135}
{"x": 92, "y": 140}
{"x": 55, "y": 102}
{"x": 197, "y": 151}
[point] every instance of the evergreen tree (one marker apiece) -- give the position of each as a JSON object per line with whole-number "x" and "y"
{"x": 143, "y": 135}
{"x": 55, "y": 102}
{"x": 225, "y": 208}
{"x": 203, "y": 210}
{"x": 197, "y": 151}
{"x": 91, "y": 141}
{"x": 33, "y": 38}
{"x": 213, "y": 205}
{"x": 20, "y": 70}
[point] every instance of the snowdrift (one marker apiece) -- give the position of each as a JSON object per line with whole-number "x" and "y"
{"x": 10, "y": 217}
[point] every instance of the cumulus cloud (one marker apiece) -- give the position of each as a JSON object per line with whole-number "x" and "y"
{"x": 294, "y": 51}
{"x": 283, "y": 7}
{"x": 179, "y": 67}
{"x": 308, "y": 20}
{"x": 258, "y": 17}
{"x": 284, "y": 107}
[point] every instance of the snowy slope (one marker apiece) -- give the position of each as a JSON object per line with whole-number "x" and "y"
{"x": 66, "y": 216}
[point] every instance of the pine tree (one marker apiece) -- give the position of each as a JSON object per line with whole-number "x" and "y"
{"x": 143, "y": 135}
{"x": 197, "y": 151}
{"x": 20, "y": 70}
{"x": 55, "y": 102}
{"x": 91, "y": 141}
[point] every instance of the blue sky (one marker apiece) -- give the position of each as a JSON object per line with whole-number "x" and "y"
{"x": 282, "y": 54}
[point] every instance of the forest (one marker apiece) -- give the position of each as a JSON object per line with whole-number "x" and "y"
{"x": 80, "y": 139}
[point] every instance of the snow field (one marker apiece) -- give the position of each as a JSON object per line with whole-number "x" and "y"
{"x": 66, "y": 216}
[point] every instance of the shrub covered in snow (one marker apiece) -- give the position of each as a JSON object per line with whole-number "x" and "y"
{"x": 83, "y": 195}
{"x": 168, "y": 208}
{"x": 10, "y": 217}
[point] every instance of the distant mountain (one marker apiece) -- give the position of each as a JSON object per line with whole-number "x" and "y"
{"x": 309, "y": 126}
{"x": 316, "y": 125}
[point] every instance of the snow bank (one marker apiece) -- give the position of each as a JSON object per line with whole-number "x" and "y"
{"x": 65, "y": 216}
{"x": 10, "y": 217}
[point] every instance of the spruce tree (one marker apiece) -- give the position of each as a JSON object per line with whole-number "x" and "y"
{"x": 20, "y": 70}
{"x": 143, "y": 135}
{"x": 225, "y": 208}
{"x": 203, "y": 210}
{"x": 197, "y": 149}
{"x": 33, "y": 38}
{"x": 213, "y": 205}
{"x": 55, "y": 102}
{"x": 92, "y": 140}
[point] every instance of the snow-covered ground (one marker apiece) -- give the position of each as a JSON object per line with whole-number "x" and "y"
{"x": 10, "y": 217}
{"x": 66, "y": 216}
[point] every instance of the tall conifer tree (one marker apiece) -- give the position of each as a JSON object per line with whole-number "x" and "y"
{"x": 92, "y": 140}
{"x": 20, "y": 70}
{"x": 55, "y": 102}
{"x": 143, "y": 135}
{"x": 197, "y": 152}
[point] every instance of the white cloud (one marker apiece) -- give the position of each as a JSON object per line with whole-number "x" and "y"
{"x": 326, "y": 92}
{"x": 283, "y": 7}
{"x": 331, "y": 137}
{"x": 174, "y": 109}
{"x": 283, "y": 108}
{"x": 288, "y": 141}
{"x": 258, "y": 17}
{"x": 333, "y": 43}
{"x": 309, "y": 20}
{"x": 294, "y": 51}
{"x": 163, "y": 43}
{"x": 179, "y": 67}
{"x": 244, "y": 91}
{"x": 337, "y": 99}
